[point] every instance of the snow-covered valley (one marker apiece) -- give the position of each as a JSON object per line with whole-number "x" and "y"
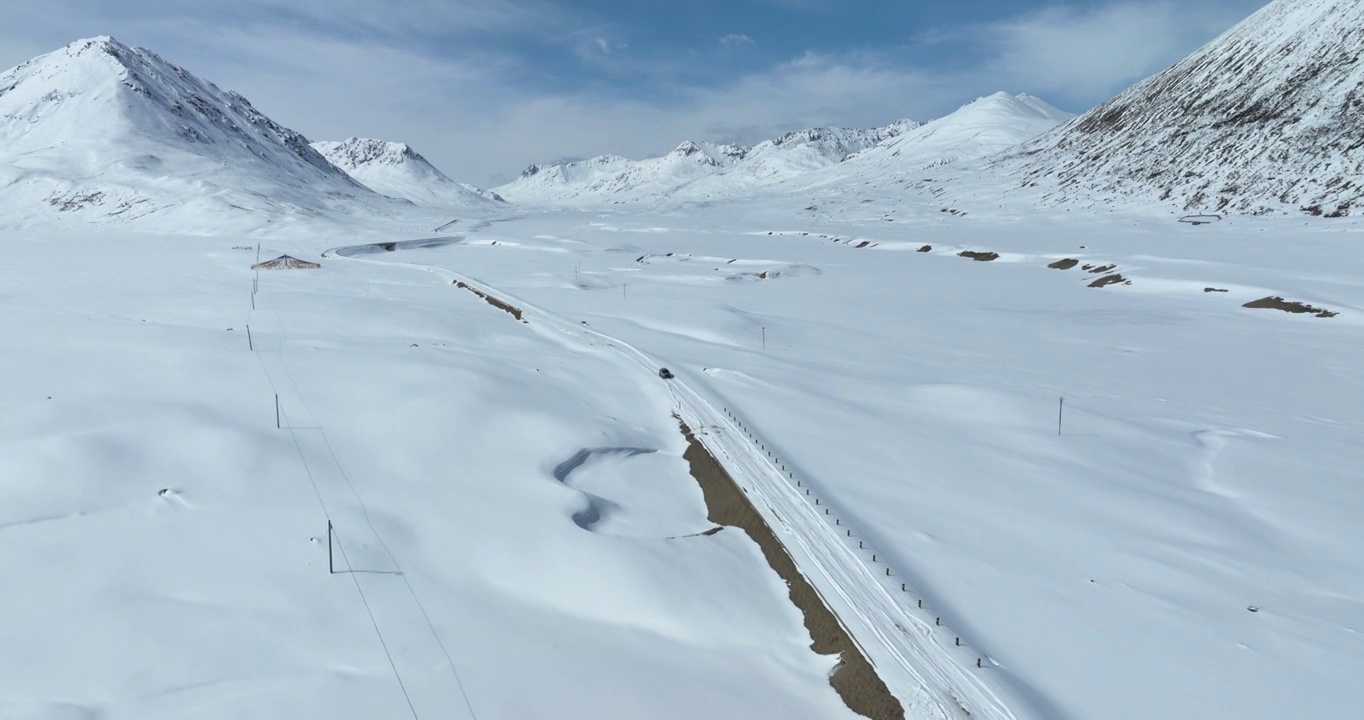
{"x": 1207, "y": 465}
{"x": 1035, "y": 446}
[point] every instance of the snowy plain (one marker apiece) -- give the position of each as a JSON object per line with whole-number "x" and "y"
{"x": 212, "y": 599}
{"x": 1208, "y": 464}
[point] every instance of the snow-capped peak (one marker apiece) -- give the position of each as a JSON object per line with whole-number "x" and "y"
{"x": 983, "y": 127}
{"x": 355, "y": 152}
{"x": 709, "y": 153}
{"x": 111, "y": 130}
{"x": 396, "y": 170}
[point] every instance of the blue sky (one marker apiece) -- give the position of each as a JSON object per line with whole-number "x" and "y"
{"x": 485, "y": 87}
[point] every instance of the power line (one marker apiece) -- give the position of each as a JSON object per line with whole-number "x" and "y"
{"x": 364, "y": 509}
{"x": 327, "y": 513}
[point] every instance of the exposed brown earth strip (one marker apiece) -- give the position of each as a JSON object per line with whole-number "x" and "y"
{"x": 855, "y": 680}
{"x": 1278, "y": 303}
{"x": 1066, "y": 264}
{"x": 1107, "y": 280}
{"x": 979, "y": 256}
{"x": 500, "y": 305}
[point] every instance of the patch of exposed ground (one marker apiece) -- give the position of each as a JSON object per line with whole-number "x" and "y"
{"x": 1100, "y": 269}
{"x": 75, "y": 200}
{"x": 1066, "y": 264}
{"x": 1278, "y": 303}
{"x": 1214, "y": 290}
{"x": 926, "y": 248}
{"x": 500, "y": 305}
{"x": 1107, "y": 280}
{"x": 854, "y": 679}
{"x": 979, "y": 256}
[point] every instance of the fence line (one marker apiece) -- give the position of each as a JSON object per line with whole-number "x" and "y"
{"x": 838, "y": 522}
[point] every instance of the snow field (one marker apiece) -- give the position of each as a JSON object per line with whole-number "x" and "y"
{"x": 1206, "y": 462}
{"x": 436, "y": 461}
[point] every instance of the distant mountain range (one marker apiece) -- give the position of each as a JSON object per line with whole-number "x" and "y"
{"x": 1267, "y": 118}
{"x": 697, "y": 170}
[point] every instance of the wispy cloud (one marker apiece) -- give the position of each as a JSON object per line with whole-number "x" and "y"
{"x": 485, "y": 87}
{"x": 1085, "y": 52}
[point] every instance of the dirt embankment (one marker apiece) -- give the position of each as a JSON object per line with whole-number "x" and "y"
{"x": 855, "y": 680}
{"x": 500, "y": 305}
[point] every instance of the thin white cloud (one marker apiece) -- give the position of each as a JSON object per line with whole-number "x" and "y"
{"x": 469, "y": 109}
{"x": 1087, "y": 52}
{"x": 736, "y": 40}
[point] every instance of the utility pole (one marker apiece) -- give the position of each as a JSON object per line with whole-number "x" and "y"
{"x": 764, "y": 337}
{"x": 331, "y": 568}
{"x": 1059, "y": 413}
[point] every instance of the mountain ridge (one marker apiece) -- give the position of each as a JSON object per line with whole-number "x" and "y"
{"x": 1267, "y": 118}
{"x": 694, "y": 168}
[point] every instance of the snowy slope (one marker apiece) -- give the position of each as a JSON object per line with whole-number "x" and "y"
{"x": 396, "y": 170}
{"x": 1269, "y": 117}
{"x": 103, "y": 132}
{"x": 987, "y": 126}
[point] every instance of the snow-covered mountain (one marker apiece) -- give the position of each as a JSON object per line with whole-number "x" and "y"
{"x": 396, "y": 170}
{"x": 695, "y": 170}
{"x": 700, "y": 171}
{"x": 101, "y": 131}
{"x": 792, "y": 158}
{"x": 610, "y": 178}
{"x": 1267, "y": 118}
{"x": 987, "y": 126}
